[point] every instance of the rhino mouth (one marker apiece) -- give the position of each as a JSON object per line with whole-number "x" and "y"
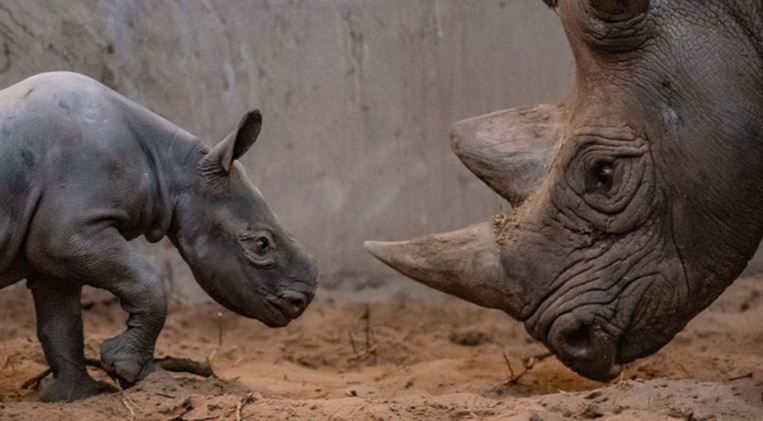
{"x": 596, "y": 339}
{"x": 290, "y": 305}
{"x": 258, "y": 307}
{"x": 276, "y": 317}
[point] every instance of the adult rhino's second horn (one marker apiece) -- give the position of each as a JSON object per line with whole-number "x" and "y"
{"x": 465, "y": 263}
{"x": 510, "y": 150}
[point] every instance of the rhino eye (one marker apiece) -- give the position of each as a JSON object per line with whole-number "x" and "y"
{"x": 605, "y": 174}
{"x": 261, "y": 245}
{"x": 600, "y": 176}
{"x": 258, "y": 247}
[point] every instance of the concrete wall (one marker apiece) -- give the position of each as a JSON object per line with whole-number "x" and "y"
{"x": 358, "y": 97}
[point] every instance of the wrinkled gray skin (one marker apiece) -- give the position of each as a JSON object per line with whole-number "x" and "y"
{"x": 638, "y": 200}
{"x": 84, "y": 170}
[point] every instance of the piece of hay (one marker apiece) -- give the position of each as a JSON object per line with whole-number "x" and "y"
{"x": 503, "y": 225}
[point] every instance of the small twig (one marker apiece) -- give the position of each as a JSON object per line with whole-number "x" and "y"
{"x": 744, "y": 376}
{"x": 125, "y": 402}
{"x": 212, "y": 355}
{"x": 369, "y": 346}
{"x": 249, "y": 398}
{"x": 528, "y": 365}
{"x": 185, "y": 365}
{"x": 36, "y": 380}
{"x": 535, "y": 359}
{"x": 367, "y": 318}
{"x": 171, "y": 364}
{"x": 370, "y": 339}
{"x": 371, "y": 351}
{"x": 219, "y": 329}
{"x": 165, "y": 395}
{"x": 513, "y": 379}
{"x": 352, "y": 342}
{"x": 129, "y": 399}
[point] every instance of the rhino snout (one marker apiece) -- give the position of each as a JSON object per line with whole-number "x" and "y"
{"x": 292, "y": 303}
{"x": 585, "y": 347}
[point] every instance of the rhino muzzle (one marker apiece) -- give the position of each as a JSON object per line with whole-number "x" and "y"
{"x": 511, "y": 151}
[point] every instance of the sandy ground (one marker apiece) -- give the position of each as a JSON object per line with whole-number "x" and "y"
{"x": 400, "y": 359}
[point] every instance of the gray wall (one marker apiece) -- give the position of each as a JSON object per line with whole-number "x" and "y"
{"x": 358, "y": 97}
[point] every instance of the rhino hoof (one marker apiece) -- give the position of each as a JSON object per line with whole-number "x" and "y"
{"x": 128, "y": 366}
{"x": 67, "y": 390}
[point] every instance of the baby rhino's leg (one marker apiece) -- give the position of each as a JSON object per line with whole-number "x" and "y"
{"x": 105, "y": 260}
{"x": 98, "y": 255}
{"x": 59, "y": 328}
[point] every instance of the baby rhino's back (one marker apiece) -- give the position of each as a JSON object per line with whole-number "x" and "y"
{"x": 51, "y": 125}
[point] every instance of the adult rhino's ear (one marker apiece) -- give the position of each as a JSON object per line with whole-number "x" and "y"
{"x": 235, "y": 145}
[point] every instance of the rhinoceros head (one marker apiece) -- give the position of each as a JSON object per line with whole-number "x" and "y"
{"x": 233, "y": 243}
{"x": 636, "y": 203}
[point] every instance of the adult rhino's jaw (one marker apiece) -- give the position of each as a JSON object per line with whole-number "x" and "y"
{"x": 464, "y": 263}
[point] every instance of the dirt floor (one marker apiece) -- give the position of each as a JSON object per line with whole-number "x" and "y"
{"x": 401, "y": 359}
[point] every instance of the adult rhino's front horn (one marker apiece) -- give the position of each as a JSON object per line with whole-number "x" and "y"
{"x": 510, "y": 151}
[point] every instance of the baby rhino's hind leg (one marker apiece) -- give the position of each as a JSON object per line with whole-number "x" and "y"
{"x": 59, "y": 328}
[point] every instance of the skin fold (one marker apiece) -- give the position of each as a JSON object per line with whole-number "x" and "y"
{"x": 84, "y": 171}
{"x": 646, "y": 205}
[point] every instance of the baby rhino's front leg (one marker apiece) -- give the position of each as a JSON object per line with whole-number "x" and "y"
{"x": 103, "y": 259}
{"x": 139, "y": 289}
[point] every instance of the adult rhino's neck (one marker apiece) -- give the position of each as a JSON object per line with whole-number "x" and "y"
{"x": 748, "y": 16}
{"x": 171, "y": 159}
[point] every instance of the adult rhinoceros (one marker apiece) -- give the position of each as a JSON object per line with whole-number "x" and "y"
{"x": 638, "y": 201}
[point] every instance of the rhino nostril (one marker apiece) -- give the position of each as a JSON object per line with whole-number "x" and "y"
{"x": 585, "y": 347}
{"x": 579, "y": 340}
{"x": 574, "y": 338}
{"x": 296, "y": 301}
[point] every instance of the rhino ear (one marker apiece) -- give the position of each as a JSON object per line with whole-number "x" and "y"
{"x": 235, "y": 145}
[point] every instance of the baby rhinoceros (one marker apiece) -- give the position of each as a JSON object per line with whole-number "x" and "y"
{"x": 84, "y": 170}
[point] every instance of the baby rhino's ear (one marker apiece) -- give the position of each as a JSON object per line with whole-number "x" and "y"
{"x": 235, "y": 145}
